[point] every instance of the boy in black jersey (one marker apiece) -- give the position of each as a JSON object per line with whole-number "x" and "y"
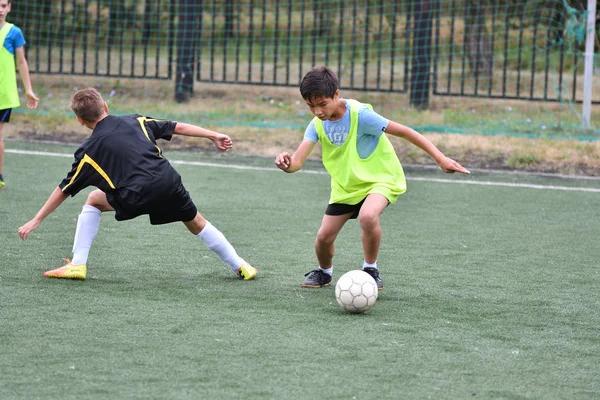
{"x": 133, "y": 178}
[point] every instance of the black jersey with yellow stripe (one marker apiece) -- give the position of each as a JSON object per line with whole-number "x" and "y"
{"x": 121, "y": 157}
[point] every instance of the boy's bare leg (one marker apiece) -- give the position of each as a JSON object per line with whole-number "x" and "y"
{"x": 1, "y": 148}
{"x": 369, "y": 222}
{"x": 324, "y": 244}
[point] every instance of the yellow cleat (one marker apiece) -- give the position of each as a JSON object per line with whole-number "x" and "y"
{"x": 68, "y": 271}
{"x": 1, "y": 184}
{"x": 247, "y": 272}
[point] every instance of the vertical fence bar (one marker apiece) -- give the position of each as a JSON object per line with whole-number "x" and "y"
{"x": 574, "y": 86}
{"x": 353, "y": 41}
{"x": 536, "y": 23}
{"x": 451, "y": 46}
{"x": 547, "y": 60}
{"x": 366, "y": 47}
{"x": 463, "y": 51}
{"x": 493, "y": 46}
{"x": 276, "y": 42}
{"x": 250, "y": 39}
{"x": 133, "y": 38}
{"x": 227, "y": 32}
{"x": 506, "y": 42}
{"x": 561, "y": 69}
{"x": 379, "y": 47}
{"x": 263, "y": 41}
{"x": 436, "y": 47}
{"x": 289, "y": 44}
{"x": 300, "y": 50}
{"x": 157, "y": 41}
{"x": 198, "y": 40}
{"x": 407, "y": 41}
{"x": 171, "y": 39}
{"x": 97, "y": 42}
{"x": 85, "y": 36}
{"x": 75, "y": 7}
{"x": 340, "y": 41}
{"x": 314, "y": 31}
{"x": 212, "y": 39}
{"x": 421, "y": 61}
{"x": 61, "y": 37}
{"x": 327, "y": 30}
{"x": 393, "y": 45}
{"x": 38, "y": 38}
{"x": 589, "y": 64}
{"x": 238, "y": 40}
{"x": 520, "y": 52}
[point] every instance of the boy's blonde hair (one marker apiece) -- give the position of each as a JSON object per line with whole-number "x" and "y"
{"x": 87, "y": 104}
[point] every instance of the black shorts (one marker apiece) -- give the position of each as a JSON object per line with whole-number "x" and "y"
{"x": 174, "y": 207}
{"x": 341, "y": 209}
{"x": 5, "y": 115}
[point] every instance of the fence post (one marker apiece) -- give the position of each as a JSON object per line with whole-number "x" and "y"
{"x": 589, "y": 64}
{"x": 184, "y": 75}
{"x": 421, "y": 54}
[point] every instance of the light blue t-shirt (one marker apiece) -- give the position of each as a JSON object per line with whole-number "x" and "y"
{"x": 370, "y": 127}
{"x": 14, "y": 39}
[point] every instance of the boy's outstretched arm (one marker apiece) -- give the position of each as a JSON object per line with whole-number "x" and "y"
{"x": 292, "y": 163}
{"x": 221, "y": 141}
{"x": 446, "y": 164}
{"x": 55, "y": 200}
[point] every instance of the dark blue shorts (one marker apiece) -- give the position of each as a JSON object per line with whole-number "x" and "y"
{"x": 5, "y": 115}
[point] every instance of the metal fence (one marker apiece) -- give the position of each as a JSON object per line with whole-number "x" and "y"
{"x": 450, "y": 48}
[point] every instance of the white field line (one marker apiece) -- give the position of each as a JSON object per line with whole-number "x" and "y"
{"x": 412, "y": 178}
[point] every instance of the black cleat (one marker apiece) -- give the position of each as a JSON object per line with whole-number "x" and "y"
{"x": 374, "y": 272}
{"x": 316, "y": 279}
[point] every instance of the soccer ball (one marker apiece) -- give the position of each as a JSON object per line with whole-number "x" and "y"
{"x": 356, "y": 291}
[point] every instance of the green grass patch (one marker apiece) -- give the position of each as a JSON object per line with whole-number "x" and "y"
{"x": 490, "y": 292}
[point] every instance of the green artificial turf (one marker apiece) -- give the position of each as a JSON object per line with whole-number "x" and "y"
{"x": 490, "y": 292}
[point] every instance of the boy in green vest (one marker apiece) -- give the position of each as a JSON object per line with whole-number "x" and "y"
{"x": 11, "y": 45}
{"x": 366, "y": 175}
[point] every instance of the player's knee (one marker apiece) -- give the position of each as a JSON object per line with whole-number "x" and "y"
{"x": 196, "y": 225}
{"x": 368, "y": 220}
{"x": 97, "y": 198}
{"x": 325, "y": 237}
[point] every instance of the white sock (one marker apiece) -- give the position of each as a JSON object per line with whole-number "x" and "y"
{"x": 328, "y": 271}
{"x": 87, "y": 228}
{"x": 216, "y": 241}
{"x": 367, "y": 265}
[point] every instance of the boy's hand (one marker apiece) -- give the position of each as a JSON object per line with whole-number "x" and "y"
{"x": 223, "y": 142}
{"x": 283, "y": 160}
{"x": 450, "y": 166}
{"x": 32, "y": 100}
{"x": 29, "y": 227}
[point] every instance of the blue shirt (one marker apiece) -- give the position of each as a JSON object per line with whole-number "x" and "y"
{"x": 14, "y": 39}
{"x": 370, "y": 127}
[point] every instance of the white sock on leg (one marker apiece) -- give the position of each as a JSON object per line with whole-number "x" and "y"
{"x": 216, "y": 241}
{"x": 87, "y": 228}
{"x": 328, "y": 271}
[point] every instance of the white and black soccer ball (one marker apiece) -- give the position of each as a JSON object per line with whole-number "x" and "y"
{"x": 356, "y": 291}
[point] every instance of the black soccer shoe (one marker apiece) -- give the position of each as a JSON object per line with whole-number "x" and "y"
{"x": 316, "y": 279}
{"x": 374, "y": 272}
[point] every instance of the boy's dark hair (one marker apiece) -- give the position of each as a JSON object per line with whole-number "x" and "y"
{"x": 87, "y": 104}
{"x": 319, "y": 82}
